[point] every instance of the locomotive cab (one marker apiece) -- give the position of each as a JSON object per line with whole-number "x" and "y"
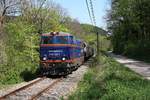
{"x": 58, "y": 53}
{"x": 54, "y": 47}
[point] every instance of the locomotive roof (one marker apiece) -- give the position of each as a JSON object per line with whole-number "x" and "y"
{"x": 57, "y": 34}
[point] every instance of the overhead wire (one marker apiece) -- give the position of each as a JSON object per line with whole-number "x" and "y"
{"x": 92, "y": 11}
{"x": 92, "y": 17}
{"x": 89, "y": 11}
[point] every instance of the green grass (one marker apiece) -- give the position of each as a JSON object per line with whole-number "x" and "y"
{"x": 111, "y": 81}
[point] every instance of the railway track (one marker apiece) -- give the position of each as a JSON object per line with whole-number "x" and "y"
{"x": 33, "y": 84}
{"x": 34, "y": 97}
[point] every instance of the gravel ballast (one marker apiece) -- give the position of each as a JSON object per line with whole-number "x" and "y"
{"x": 62, "y": 89}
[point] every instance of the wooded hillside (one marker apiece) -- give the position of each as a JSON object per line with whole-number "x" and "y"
{"x": 128, "y": 21}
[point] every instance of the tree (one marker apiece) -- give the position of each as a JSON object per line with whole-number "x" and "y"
{"x": 128, "y": 23}
{"x": 45, "y": 15}
{"x": 8, "y": 7}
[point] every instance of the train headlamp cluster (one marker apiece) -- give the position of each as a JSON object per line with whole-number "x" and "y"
{"x": 63, "y": 58}
{"x": 44, "y": 58}
{"x": 54, "y": 33}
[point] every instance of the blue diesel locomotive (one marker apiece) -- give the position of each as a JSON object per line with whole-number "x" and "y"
{"x": 60, "y": 53}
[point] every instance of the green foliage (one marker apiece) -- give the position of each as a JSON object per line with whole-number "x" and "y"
{"x": 112, "y": 81}
{"x": 54, "y": 24}
{"x": 128, "y": 23}
{"x": 91, "y": 38}
{"x": 21, "y": 55}
{"x": 22, "y": 41}
{"x": 93, "y": 29}
{"x": 139, "y": 51}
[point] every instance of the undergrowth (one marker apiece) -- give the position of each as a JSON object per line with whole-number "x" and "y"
{"x": 110, "y": 80}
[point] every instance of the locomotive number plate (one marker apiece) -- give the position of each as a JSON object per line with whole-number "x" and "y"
{"x": 52, "y": 51}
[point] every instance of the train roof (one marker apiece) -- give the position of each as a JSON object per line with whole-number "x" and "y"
{"x": 56, "y": 34}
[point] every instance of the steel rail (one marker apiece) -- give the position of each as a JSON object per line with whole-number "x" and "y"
{"x": 22, "y": 88}
{"x": 34, "y": 97}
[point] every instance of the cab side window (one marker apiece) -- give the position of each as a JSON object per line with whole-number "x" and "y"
{"x": 45, "y": 41}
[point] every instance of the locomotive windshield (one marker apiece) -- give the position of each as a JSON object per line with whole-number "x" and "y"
{"x": 55, "y": 40}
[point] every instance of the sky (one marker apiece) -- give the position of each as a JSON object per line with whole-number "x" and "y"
{"x": 78, "y": 10}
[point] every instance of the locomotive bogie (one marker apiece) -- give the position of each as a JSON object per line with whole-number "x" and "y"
{"x": 55, "y": 68}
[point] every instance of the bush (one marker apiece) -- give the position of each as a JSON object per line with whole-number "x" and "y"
{"x": 138, "y": 49}
{"x": 21, "y": 55}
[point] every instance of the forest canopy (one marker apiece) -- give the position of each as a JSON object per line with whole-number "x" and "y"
{"x": 128, "y": 21}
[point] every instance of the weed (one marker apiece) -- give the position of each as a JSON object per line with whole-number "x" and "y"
{"x": 111, "y": 81}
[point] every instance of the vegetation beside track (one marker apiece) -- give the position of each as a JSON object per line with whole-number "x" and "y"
{"x": 111, "y": 81}
{"x": 128, "y": 23}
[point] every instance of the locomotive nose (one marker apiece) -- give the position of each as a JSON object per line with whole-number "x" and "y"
{"x": 58, "y": 54}
{"x": 55, "y": 53}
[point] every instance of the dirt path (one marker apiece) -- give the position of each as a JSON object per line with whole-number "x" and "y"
{"x": 138, "y": 66}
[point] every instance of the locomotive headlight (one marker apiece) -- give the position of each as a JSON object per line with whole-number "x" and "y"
{"x": 44, "y": 58}
{"x": 63, "y": 58}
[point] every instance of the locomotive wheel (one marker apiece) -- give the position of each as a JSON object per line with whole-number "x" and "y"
{"x": 73, "y": 68}
{"x": 69, "y": 70}
{"x": 41, "y": 73}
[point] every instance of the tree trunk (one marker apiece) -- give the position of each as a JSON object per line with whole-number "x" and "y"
{"x": 1, "y": 23}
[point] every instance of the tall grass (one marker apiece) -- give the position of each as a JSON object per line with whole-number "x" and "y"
{"x": 112, "y": 81}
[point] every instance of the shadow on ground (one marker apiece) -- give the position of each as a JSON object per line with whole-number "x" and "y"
{"x": 28, "y": 75}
